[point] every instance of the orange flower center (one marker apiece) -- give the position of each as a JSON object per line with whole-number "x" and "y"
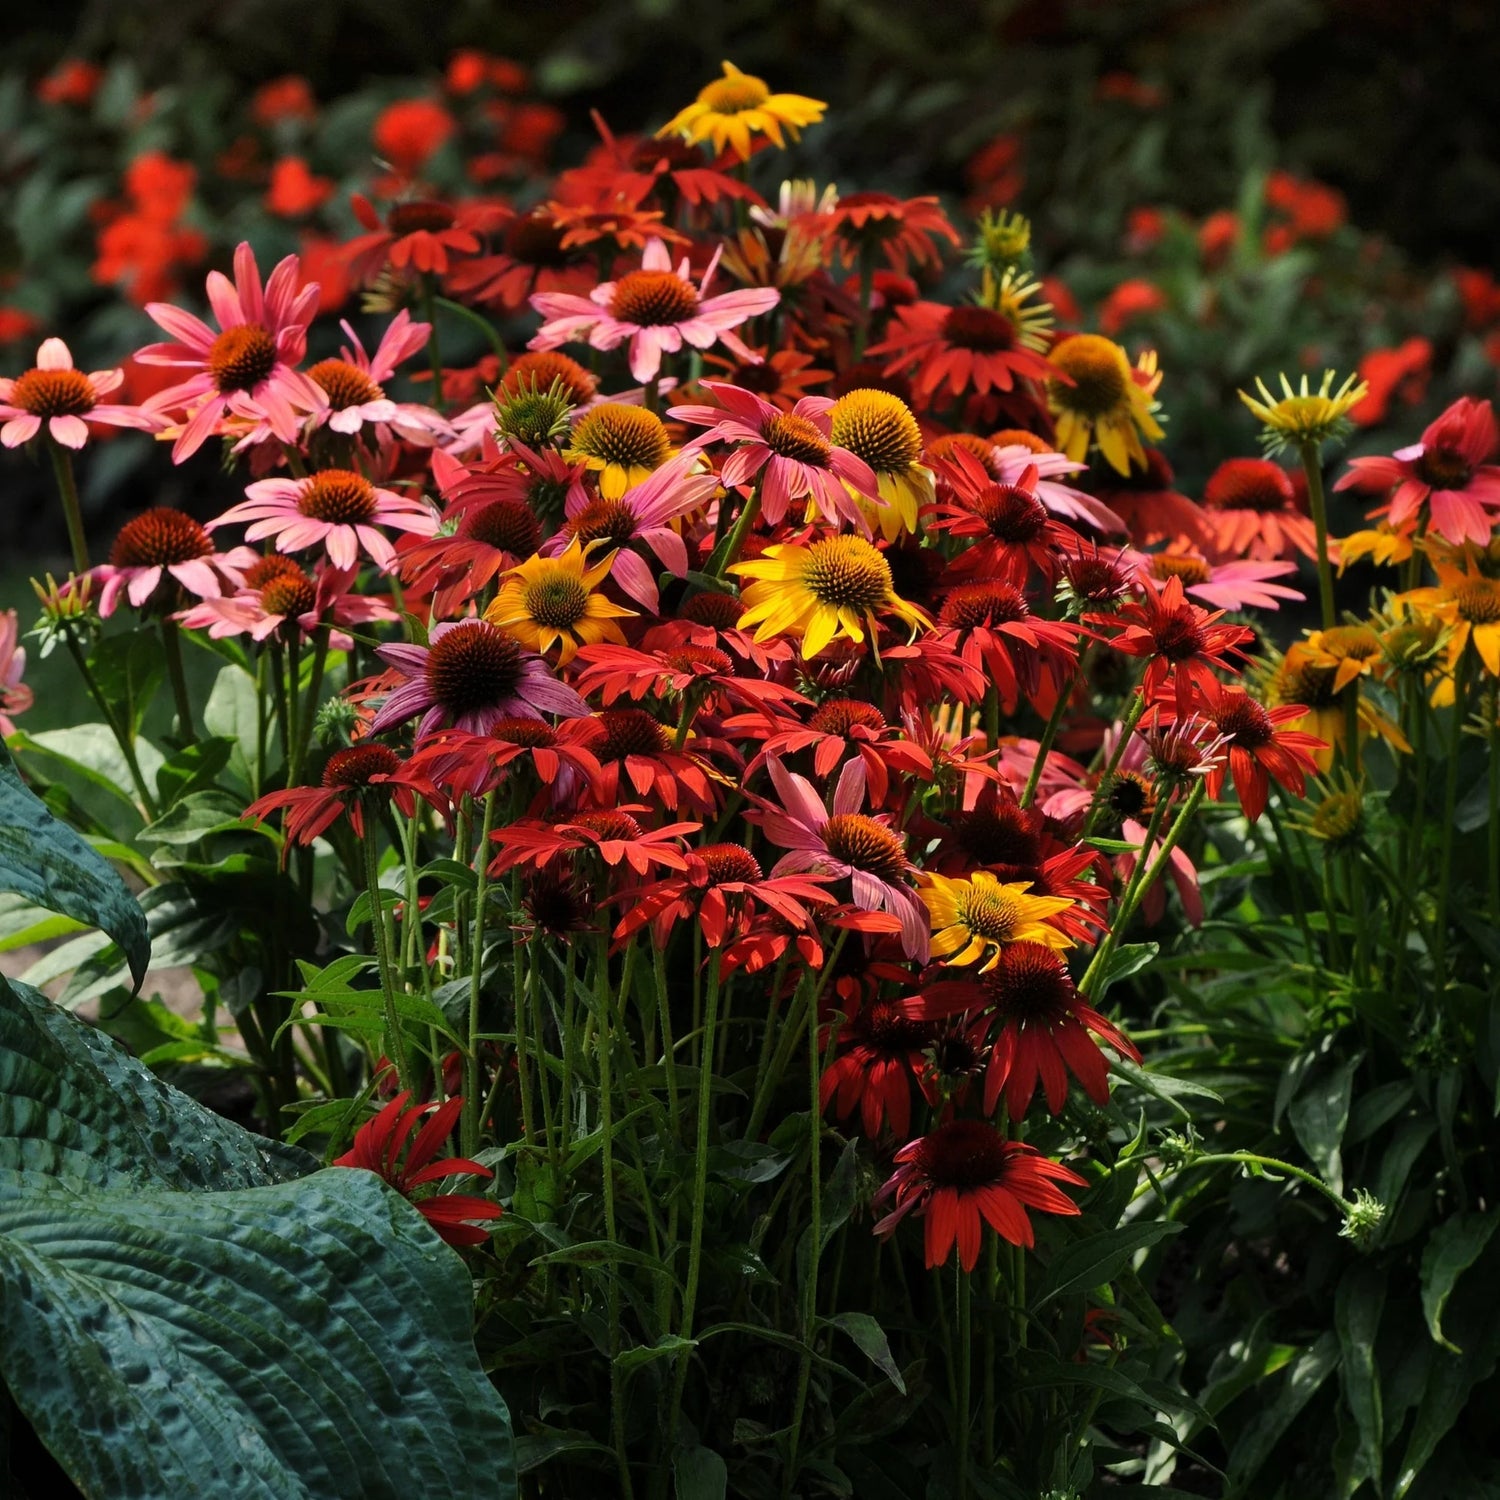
{"x": 356, "y": 766}
{"x": 506, "y": 525}
{"x": 338, "y": 496}
{"x": 1478, "y": 600}
{"x": 653, "y": 299}
{"x": 692, "y": 658}
{"x": 1101, "y": 378}
{"x": 967, "y": 442}
{"x": 608, "y": 825}
{"x": 867, "y": 845}
{"x": 726, "y": 862}
{"x": 241, "y": 357}
{"x": 1175, "y": 565}
{"x": 345, "y": 384}
{"x": 1248, "y": 484}
{"x": 840, "y": 715}
{"x": 266, "y": 569}
{"x": 609, "y": 519}
{"x": 975, "y": 605}
{"x": 289, "y": 595}
{"x": 53, "y": 393}
{"x": 735, "y": 94}
{"x": 978, "y": 328}
{"x": 473, "y": 666}
{"x": 538, "y": 369}
{"x": 420, "y": 214}
{"x": 795, "y": 437}
{"x": 1018, "y": 437}
{"x": 158, "y": 539}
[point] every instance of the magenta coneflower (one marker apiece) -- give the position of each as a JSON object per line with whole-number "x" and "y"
{"x": 656, "y": 309}
{"x": 792, "y": 451}
{"x": 643, "y": 514}
{"x": 162, "y": 554}
{"x": 285, "y": 599}
{"x": 965, "y": 1175}
{"x": 249, "y": 366}
{"x": 337, "y": 508}
{"x": 844, "y": 842}
{"x": 64, "y": 400}
{"x": 15, "y": 696}
{"x": 1450, "y": 471}
{"x": 470, "y": 676}
{"x": 354, "y": 385}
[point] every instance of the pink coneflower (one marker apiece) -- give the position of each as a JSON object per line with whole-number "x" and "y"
{"x": 793, "y": 453}
{"x": 65, "y": 399}
{"x": 656, "y": 309}
{"x": 845, "y": 843}
{"x": 1069, "y": 504}
{"x": 643, "y": 514}
{"x": 1449, "y": 471}
{"x": 249, "y": 366}
{"x": 353, "y": 384}
{"x": 15, "y": 696}
{"x": 157, "y": 552}
{"x": 1242, "y": 584}
{"x": 283, "y": 598}
{"x": 334, "y": 507}
{"x": 470, "y": 676}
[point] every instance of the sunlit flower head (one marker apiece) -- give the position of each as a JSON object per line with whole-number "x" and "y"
{"x": 1304, "y": 416}
{"x": 834, "y": 587}
{"x": 160, "y": 557}
{"x": 55, "y": 396}
{"x": 555, "y": 601}
{"x": 1467, "y": 602}
{"x": 731, "y": 111}
{"x": 880, "y": 429}
{"x": 354, "y": 384}
{"x": 973, "y": 919}
{"x": 1251, "y": 508}
{"x": 1097, "y": 396}
{"x": 656, "y": 309}
{"x": 280, "y": 600}
{"x": 621, "y": 444}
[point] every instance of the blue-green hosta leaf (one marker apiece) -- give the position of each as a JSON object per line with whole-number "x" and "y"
{"x": 48, "y": 863}
{"x": 304, "y": 1341}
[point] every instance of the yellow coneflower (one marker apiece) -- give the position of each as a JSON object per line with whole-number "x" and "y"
{"x": 1304, "y": 416}
{"x": 1103, "y": 400}
{"x": 1468, "y": 603}
{"x": 832, "y": 587}
{"x": 1353, "y": 651}
{"x": 732, "y": 109}
{"x": 880, "y": 428}
{"x": 1307, "y": 678}
{"x": 622, "y": 444}
{"x": 1383, "y": 546}
{"x": 974, "y": 919}
{"x": 552, "y": 601}
{"x": 1337, "y": 819}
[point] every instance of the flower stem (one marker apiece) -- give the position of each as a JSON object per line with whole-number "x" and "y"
{"x": 1313, "y": 468}
{"x": 67, "y": 488}
{"x": 964, "y": 1299}
{"x": 302, "y": 731}
{"x": 1450, "y": 808}
{"x": 434, "y": 351}
{"x": 470, "y": 1134}
{"x": 383, "y": 961}
{"x": 171, "y": 642}
{"x": 124, "y": 738}
{"x": 1127, "y": 728}
{"x": 1044, "y": 745}
{"x": 866, "y": 297}
{"x": 729, "y": 549}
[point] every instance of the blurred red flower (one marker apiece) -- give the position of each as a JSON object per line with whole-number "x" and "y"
{"x": 296, "y": 192}
{"x": 408, "y": 132}
{"x": 72, "y": 81}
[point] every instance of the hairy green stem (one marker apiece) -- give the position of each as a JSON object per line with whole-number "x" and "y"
{"x": 383, "y": 962}
{"x": 67, "y": 488}
{"x": 1317, "y": 503}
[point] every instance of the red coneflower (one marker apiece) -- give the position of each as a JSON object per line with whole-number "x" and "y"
{"x": 1252, "y": 510}
{"x": 1260, "y": 746}
{"x": 880, "y": 1057}
{"x": 901, "y": 229}
{"x": 965, "y": 1175}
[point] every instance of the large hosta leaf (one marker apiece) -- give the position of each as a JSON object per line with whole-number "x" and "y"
{"x": 48, "y": 863}
{"x": 310, "y": 1339}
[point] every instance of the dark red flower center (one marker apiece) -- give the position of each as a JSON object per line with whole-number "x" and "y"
{"x": 339, "y": 497}
{"x": 840, "y": 715}
{"x": 677, "y": 154}
{"x": 717, "y": 611}
{"x": 158, "y": 539}
{"x": 973, "y": 605}
{"x": 1248, "y": 484}
{"x": 506, "y": 525}
{"x": 1000, "y": 833}
{"x": 865, "y": 844}
{"x": 356, "y": 766}
{"x": 241, "y": 357}
{"x": 729, "y": 862}
{"x": 963, "y": 1154}
{"x": 653, "y": 299}
{"x": 53, "y": 393}
{"x": 534, "y": 240}
{"x": 420, "y": 214}
{"x": 882, "y": 1026}
{"x": 631, "y": 731}
{"x": 795, "y": 437}
{"x": 1094, "y": 577}
{"x": 474, "y": 666}
{"x": 1176, "y": 634}
{"x": 1242, "y": 720}
{"x": 532, "y": 733}
{"x": 978, "y": 328}
{"x": 344, "y": 384}
{"x": 1128, "y": 794}
{"x": 699, "y": 659}
{"x": 1442, "y": 467}
{"x": 1012, "y": 514}
{"x": 1030, "y": 984}
{"x": 610, "y": 520}
{"x": 609, "y": 825}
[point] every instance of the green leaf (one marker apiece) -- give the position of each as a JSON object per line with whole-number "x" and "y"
{"x": 1099, "y": 1258}
{"x": 232, "y": 713}
{"x": 629, "y": 1360}
{"x": 305, "y": 1339}
{"x": 1319, "y": 1115}
{"x": 1303, "y": 1377}
{"x": 192, "y": 769}
{"x": 599, "y": 1253}
{"x": 1451, "y": 1249}
{"x": 1357, "y": 1307}
{"x": 75, "y": 1107}
{"x": 873, "y": 1343}
{"x": 48, "y": 863}
{"x": 699, "y": 1473}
